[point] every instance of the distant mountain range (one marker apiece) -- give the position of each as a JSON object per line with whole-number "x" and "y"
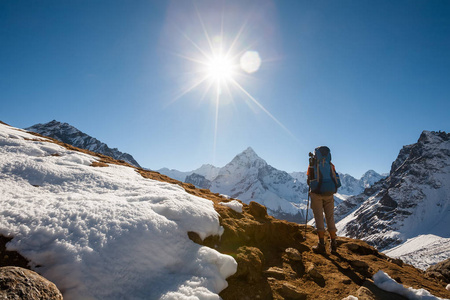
{"x": 249, "y": 178}
{"x": 410, "y": 209}
{"x": 70, "y": 135}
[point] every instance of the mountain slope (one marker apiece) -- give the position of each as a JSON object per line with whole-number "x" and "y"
{"x": 72, "y": 136}
{"x": 414, "y": 200}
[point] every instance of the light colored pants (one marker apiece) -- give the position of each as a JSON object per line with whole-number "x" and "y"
{"x": 323, "y": 204}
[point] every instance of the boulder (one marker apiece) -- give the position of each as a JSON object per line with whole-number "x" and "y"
{"x": 440, "y": 270}
{"x": 293, "y": 254}
{"x": 257, "y": 210}
{"x": 250, "y": 262}
{"x": 22, "y": 284}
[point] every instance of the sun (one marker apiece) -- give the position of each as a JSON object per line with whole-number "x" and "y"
{"x": 220, "y": 68}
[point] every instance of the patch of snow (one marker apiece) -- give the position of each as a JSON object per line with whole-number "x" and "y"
{"x": 234, "y": 205}
{"x": 350, "y": 297}
{"x": 422, "y": 251}
{"x": 385, "y": 282}
{"x": 105, "y": 233}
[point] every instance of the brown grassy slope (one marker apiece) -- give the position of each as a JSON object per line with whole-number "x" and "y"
{"x": 275, "y": 263}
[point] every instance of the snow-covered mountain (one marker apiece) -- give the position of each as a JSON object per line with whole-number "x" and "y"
{"x": 105, "y": 232}
{"x": 350, "y": 185}
{"x": 249, "y": 178}
{"x": 70, "y": 135}
{"x": 208, "y": 171}
{"x": 412, "y": 204}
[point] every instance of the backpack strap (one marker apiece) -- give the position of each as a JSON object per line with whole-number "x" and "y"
{"x": 319, "y": 177}
{"x": 333, "y": 176}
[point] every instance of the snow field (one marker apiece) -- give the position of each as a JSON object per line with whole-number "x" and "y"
{"x": 105, "y": 233}
{"x": 422, "y": 251}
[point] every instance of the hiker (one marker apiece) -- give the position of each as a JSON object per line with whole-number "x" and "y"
{"x": 323, "y": 181}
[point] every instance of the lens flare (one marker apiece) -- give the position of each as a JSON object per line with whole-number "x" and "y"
{"x": 250, "y": 61}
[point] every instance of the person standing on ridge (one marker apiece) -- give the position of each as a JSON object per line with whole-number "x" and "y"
{"x": 323, "y": 181}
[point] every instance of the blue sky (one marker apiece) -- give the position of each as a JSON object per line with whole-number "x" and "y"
{"x": 362, "y": 77}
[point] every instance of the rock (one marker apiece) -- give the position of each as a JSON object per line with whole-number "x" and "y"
{"x": 250, "y": 262}
{"x": 442, "y": 268}
{"x": 363, "y": 248}
{"x": 347, "y": 281}
{"x": 293, "y": 254}
{"x": 359, "y": 264}
{"x": 352, "y": 246}
{"x": 23, "y": 284}
{"x": 257, "y": 210}
{"x": 315, "y": 275}
{"x": 294, "y": 258}
{"x": 289, "y": 291}
{"x": 436, "y": 275}
{"x": 396, "y": 261}
{"x": 275, "y": 272}
{"x": 363, "y": 293}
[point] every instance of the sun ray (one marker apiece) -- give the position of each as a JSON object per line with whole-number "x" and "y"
{"x": 236, "y": 38}
{"x": 262, "y": 107}
{"x": 204, "y": 29}
{"x": 195, "y": 45}
{"x": 189, "y": 89}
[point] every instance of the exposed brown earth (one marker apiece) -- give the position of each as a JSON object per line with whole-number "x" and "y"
{"x": 275, "y": 263}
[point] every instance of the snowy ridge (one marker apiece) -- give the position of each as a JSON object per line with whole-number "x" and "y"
{"x": 72, "y": 136}
{"x": 105, "y": 233}
{"x": 411, "y": 205}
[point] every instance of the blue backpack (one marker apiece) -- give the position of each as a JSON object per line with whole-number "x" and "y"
{"x": 322, "y": 176}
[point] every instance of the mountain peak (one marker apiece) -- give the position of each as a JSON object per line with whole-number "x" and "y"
{"x": 248, "y": 158}
{"x": 249, "y": 152}
{"x": 69, "y": 134}
{"x": 433, "y": 136}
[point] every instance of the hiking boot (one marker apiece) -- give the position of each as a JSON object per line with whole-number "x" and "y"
{"x": 320, "y": 248}
{"x": 333, "y": 246}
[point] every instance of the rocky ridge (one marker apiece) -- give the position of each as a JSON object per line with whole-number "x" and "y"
{"x": 413, "y": 200}
{"x": 72, "y": 136}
